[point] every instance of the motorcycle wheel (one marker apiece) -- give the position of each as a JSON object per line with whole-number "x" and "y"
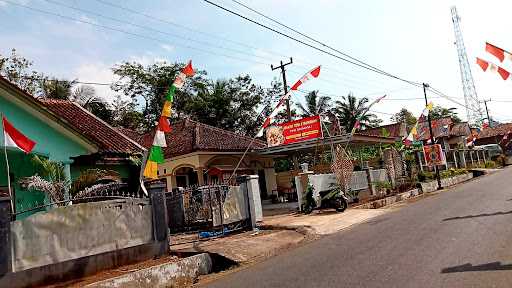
{"x": 341, "y": 205}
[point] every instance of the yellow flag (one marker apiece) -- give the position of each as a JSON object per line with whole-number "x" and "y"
{"x": 166, "y": 111}
{"x": 414, "y": 131}
{"x": 151, "y": 170}
{"x": 430, "y": 106}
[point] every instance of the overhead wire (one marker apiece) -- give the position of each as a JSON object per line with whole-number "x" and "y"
{"x": 354, "y": 62}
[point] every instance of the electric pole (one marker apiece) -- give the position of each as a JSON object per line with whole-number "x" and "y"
{"x": 438, "y": 176}
{"x": 283, "y": 72}
{"x": 487, "y": 111}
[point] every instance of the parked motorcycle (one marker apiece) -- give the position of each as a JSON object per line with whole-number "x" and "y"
{"x": 329, "y": 199}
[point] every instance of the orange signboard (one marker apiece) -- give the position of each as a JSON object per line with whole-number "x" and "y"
{"x": 294, "y": 131}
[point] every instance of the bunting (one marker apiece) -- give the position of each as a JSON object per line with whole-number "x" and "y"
{"x": 486, "y": 65}
{"x": 414, "y": 130}
{"x": 497, "y": 52}
{"x": 310, "y": 75}
{"x": 156, "y": 154}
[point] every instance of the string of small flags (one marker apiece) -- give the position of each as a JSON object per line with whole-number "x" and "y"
{"x": 414, "y": 130}
{"x": 156, "y": 154}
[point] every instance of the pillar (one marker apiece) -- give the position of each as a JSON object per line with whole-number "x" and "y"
{"x": 471, "y": 156}
{"x": 5, "y": 231}
{"x": 478, "y": 157}
{"x": 171, "y": 182}
{"x": 301, "y": 184}
{"x": 156, "y": 192}
{"x": 463, "y": 159}
{"x": 270, "y": 180}
{"x": 67, "y": 176}
{"x": 200, "y": 176}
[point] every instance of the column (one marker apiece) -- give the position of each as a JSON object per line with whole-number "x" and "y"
{"x": 463, "y": 159}
{"x": 200, "y": 176}
{"x": 270, "y": 181}
{"x": 67, "y": 176}
{"x": 455, "y": 159}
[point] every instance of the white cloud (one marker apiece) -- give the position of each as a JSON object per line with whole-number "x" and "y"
{"x": 98, "y": 73}
{"x": 168, "y": 48}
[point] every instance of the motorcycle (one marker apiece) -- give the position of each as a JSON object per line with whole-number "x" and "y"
{"x": 328, "y": 199}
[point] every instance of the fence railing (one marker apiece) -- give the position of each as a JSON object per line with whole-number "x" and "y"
{"x": 206, "y": 208}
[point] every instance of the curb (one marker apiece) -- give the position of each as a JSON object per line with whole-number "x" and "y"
{"x": 175, "y": 274}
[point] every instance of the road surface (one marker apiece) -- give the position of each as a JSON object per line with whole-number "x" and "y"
{"x": 457, "y": 238}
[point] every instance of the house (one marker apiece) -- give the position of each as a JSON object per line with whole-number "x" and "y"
{"x": 200, "y": 154}
{"x": 449, "y": 134}
{"x": 394, "y": 130}
{"x": 495, "y": 135}
{"x": 64, "y": 132}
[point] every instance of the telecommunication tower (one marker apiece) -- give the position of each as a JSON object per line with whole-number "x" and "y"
{"x": 473, "y": 109}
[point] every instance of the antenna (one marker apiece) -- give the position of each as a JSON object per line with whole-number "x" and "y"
{"x": 474, "y": 111}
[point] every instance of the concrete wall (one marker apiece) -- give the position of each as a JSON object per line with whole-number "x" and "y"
{"x": 76, "y": 231}
{"x": 432, "y": 185}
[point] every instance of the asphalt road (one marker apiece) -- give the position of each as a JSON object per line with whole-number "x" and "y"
{"x": 457, "y": 238}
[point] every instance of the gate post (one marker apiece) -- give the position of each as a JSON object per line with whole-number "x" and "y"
{"x": 159, "y": 211}
{"x": 250, "y": 187}
{"x": 5, "y": 231}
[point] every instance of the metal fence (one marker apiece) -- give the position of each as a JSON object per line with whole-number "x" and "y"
{"x": 206, "y": 208}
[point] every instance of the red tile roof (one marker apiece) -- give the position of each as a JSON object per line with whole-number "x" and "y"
{"x": 106, "y": 137}
{"x": 188, "y": 136}
{"x": 498, "y": 130}
{"x": 443, "y": 127}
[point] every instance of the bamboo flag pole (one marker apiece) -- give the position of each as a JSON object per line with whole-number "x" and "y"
{"x": 7, "y": 166}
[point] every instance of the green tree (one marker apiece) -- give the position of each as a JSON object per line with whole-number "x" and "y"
{"x": 125, "y": 115}
{"x": 315, "y": 104}
{"x": 439, "y": 112}
{"x": 17, "y": 70}
{"x": 147, "y": 86}
{"x": 350, "y": 109}
{"x": 228, "y": 104}
{"x": 404, "y": 116}
{"x": 54, "y": 88}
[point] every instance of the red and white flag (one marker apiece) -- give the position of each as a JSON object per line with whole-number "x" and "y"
{"x": 311, "y": 74}
{"x": 499, "y": 53}
{"x": 14, "y": 138}
{"x": 486, "y": 65}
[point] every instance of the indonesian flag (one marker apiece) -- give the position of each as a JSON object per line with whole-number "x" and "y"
{"x": 311, "y": 74}
{"x": 14, "y": 138}
{"x": 486, "y": 65}
{"x": 498, "y": 52}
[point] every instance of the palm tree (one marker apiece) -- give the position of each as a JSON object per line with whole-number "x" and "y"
{"x": 349, "y": 110}
{"x": 315, "y": 105}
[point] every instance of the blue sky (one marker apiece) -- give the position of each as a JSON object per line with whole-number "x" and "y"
{"x": 410, "y": 38}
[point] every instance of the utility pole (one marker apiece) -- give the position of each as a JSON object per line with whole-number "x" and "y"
{"x": 438, "y": 176}
{"x": 487, "y": 111}
{"x": 283, "y": 72}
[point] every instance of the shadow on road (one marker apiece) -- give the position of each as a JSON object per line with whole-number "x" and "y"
{"x": 493, "y": 266}
{"x": 478, "y": 215}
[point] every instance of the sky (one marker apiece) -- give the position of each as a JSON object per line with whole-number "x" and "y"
{"x": 412, "y": 39}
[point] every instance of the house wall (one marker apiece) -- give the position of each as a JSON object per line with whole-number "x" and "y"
{"x": 51, "y": 143}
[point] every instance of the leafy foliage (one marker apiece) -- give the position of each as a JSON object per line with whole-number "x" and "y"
{"x": 405, "y": 116}
{"x": 350, "y": 109}
{"x": 315, "y": 104}
{"x": 439, "y": 112}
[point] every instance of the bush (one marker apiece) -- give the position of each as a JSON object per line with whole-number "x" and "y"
{"x": 425, "y": 175}
{"x": 501, "y": 160}
{"x": 383, "y": 186}
{"x": 490, "y": 164}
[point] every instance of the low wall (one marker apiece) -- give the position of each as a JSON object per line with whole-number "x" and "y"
{"x": 389, "y": 200}
{"x": 76, "y": 231}
{"x": 446, "y": 182}
{"x": 176, "y": 274}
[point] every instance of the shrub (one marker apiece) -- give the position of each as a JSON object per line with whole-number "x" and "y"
{"x": 425, "y": 175}
{"x": 490, "y": 164}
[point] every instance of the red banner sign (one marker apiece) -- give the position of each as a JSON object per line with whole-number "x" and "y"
{"x": 434, "y": 155}
{"x": 294, "y": 131}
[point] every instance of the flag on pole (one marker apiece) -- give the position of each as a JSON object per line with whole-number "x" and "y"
{"x": 14, "y": 138}
{"x": 156, "y": 155}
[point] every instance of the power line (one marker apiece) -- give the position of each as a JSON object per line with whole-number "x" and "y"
{"x": 365, "y": 66}
{"x": 215, "y": 36}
